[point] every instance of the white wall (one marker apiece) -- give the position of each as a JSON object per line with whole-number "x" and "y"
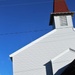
{"x": 60, "y": 62}
{"x": 35, "y": 56}
{"x": 32, "y": 59}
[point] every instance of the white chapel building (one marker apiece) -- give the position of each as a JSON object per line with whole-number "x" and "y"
{"x": 53, "y": 53}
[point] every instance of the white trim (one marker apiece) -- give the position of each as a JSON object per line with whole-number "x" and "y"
{"x": 62, "y": 54}
{"x": 32, "y": 43}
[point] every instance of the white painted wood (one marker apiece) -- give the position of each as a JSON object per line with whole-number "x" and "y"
{"x": 58, "y": 25}
{"x": 38, "y": 54}
{"x": 61, "y": 54}
{"x": 32, "y": 43}
{"x": 31, "y": 59}
{"x": 62, "y": 60}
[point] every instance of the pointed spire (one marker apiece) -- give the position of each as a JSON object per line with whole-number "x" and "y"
{"x": 60, "y": 6}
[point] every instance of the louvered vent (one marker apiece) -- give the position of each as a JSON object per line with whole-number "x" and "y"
{"x": 63, "y": 20}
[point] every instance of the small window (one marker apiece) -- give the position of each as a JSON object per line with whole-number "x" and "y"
{"x": 63, "y": 20}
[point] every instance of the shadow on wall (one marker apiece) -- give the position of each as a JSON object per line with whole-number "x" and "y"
{"x": 48, "y": 68}
{"x": 60, "y": 71}
{"x": 66, "y": 70}
{"x": 70, "y": 70}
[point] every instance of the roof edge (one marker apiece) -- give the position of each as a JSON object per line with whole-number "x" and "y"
{"x": 63, "y": 13}
{"x": 32, "y": 43}
{"x": 61, "y": 54}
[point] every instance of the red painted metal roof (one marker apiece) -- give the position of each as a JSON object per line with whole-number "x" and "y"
{"x": 60, "y": 6}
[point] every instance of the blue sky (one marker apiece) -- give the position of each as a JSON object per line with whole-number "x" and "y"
{"x": 21, "y": 22}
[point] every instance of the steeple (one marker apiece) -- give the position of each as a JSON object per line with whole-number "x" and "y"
{"x": 60, "y": 6}
{"x": 61, "y": 14}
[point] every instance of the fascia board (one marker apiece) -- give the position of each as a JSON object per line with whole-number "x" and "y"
{"x": 32, "y": 43}
{"x": 59, "y": 55}
{"x": 70, "y": 49}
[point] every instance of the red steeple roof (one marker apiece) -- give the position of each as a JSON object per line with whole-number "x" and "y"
{"x": 60, "y": 6}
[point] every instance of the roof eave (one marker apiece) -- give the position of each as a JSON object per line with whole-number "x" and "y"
{"x": 32, "y": 43}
